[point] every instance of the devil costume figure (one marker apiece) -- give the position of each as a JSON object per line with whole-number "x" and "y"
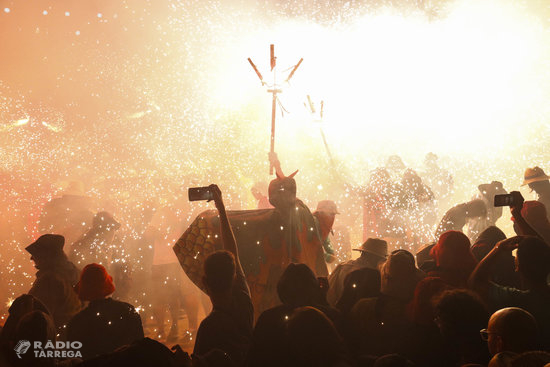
{"x": 268, "y": 240}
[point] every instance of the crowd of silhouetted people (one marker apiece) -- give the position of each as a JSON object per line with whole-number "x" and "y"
{"x": 455, "y": 302}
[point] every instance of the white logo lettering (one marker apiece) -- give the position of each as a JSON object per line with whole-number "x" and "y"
{"x": 57, "y": 349}
{"x": 60, "y": 345}
{"x": 22, "y": 347}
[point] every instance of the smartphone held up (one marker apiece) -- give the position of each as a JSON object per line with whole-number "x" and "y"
{"x": 512, "y": 199}
{"x": 200, "y": 193}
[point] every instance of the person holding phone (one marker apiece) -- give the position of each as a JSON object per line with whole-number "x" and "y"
{"x": 533, "y": 266}
{"x": 268, "y": 240}
{"x": 229, "y": 326}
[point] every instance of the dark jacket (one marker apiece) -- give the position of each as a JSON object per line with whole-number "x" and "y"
{"x": 104, "y": 326}
{"x": 54, "y": 288}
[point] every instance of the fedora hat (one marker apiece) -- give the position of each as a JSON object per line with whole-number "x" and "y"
{"x": 374, "y": 246}
{"x": 534, "y": 174}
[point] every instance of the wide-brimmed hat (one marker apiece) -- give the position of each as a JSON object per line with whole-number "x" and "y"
{"x": 534, "y": 174}
{"x": 374, "y": 246}
{"x": 327, "y": 206}
{"x": 95, "y": 283}
{"x": 46, "y": 245}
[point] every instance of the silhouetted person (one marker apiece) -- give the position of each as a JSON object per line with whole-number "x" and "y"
{"x": 229, "y": 326}
{"x": 105, "y": 324}
{"x": 55, "y": 278}
{"x": 486, "y": 240}
{"x": 455, "y": 219}
{"x": 164, "y": 230}
{"x": 69, "y": 215}
{"x": 533, "y": 265}
{"x": 20, "y": 307}
{"x": 426, "y": 347}
{"x": 453, "y": 259}
{"x": 359, "y": 284}
{"x": 395, "y": 166}
{"x": 297, "y": 287}
{"x": 486, "y": 193}
{"x": 437, "y": 178}
{"x": 259, "y": 191}
{"x": 511, "y": 331}
{"x": 534, "y": 358}
{"x": 504, "y": 272}
{"x": 460, "y": 315}
{"x": 373, "y": 252}
{"x": 324, "y": 217}
{"x": 534, "y": 213}
{"x": 313, "y": 340}
{"x": 380, "y": 325}
{"x": 380, "y": 201}
{"x": 417, "y": 204}
{"x": 94, "y": 245}
{"x": 144, "y": 353}
{"x": 537, "y": 225}
{"x": 539, "y": 182}
{"x": 36, "y": 326}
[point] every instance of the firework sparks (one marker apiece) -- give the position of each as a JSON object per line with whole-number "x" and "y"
{"x": 132, "y": 102}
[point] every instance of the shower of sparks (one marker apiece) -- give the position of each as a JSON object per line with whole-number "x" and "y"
{"x": 140, "y": 100}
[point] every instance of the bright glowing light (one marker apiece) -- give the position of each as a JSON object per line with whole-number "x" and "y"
{"x": 438, "y": 82}
{"x": 51, "y": 127}
{"x": 21, "y": 122}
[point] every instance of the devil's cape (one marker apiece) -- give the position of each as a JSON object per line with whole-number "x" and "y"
{"x": 268, "y": 240}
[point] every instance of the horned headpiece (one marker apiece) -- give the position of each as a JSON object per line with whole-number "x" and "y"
{"x": 282, "y": 191}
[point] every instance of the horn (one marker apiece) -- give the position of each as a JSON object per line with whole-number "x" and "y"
{"x": 277, "y": 174}
{"x": 293, "y": 174}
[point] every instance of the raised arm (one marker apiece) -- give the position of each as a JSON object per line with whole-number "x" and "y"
{"x": 274, "y": 160}
{"x": 228, "y": 238}
{"x": 480, "y": 278}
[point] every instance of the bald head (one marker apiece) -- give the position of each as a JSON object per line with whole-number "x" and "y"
{"x": 512, "y": 329}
